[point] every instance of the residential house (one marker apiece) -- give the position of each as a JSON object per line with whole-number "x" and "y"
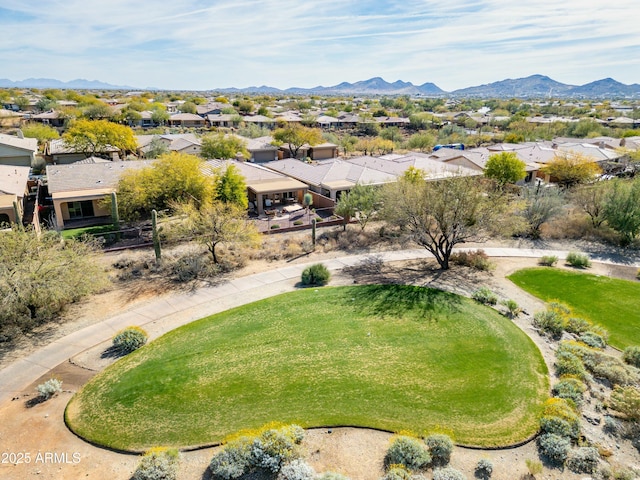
{"x": 9, "y": 118}
{"x": 51, "y": 118}
{"x": 175, "y": 142}
{"x": 225, "y": 120}
{"x": 79, "y": 189}
{"x": 211, "y": 108}
{"x": 187, "y": 120}
{"x": 261, "y": 149}
{"x": 59, "y": 153}
{"x": 397, "y": 164}
{"x": 259, "y": 120}
{"x": 266, "y": 189}
{"x": 392, "y": 121}
{"x": 331, "y": 177}
{"x": 13, "y": 192}
{"x": 15, "y": 150}
{"x": 323, "y": 151}
{"x": 326, "y": 122}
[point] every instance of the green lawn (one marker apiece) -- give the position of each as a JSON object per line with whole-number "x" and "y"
{"x": 79, "y": 232}
{"x": 612, "y": 303}
{"x": 390, "y": 357}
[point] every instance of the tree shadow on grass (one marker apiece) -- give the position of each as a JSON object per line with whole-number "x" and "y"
{"x": 400, "y": 300}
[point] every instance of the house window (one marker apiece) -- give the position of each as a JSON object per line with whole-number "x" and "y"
{"x": 80, "y": 209}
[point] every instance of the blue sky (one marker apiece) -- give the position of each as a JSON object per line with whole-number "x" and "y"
{"x": 204, "y": 44}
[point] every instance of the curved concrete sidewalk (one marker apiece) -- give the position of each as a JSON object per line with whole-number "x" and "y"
{"x": 177, "y": 309}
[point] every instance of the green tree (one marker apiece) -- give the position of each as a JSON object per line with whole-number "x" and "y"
{"x": 97, "y": 111}
{"x": 173, "y": 178}
{"x": 157, "y": 148}
{"x": 295, "y": 136}
{"x": 591, "y": 199}
{"x": 421, "y": 141}
{"x": 362, "y": 203}
{"x": 540, "y": 206}
{"x": 159, "y": 116}
{"x": 438, "y": 215}
{"x": 40, "y": 275}
{"x": 42, "y": 132}
{"x": 505, "y": 167}
{"x": 218, "y": 223}
{"x": 570, "y": 169}
{"x": 223, "y": 146}
{"x": 230, "y": 186}
{"x": 95, "y": 136}
{"x": 188, "y": 107}
{"x": 622, "y": 209}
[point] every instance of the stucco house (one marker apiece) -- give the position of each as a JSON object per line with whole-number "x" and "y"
{"x": 17, "y": 151}
{"x": 265, "y": 188}
{"x": 190, "y": 120}
{"x": 78, "y": 190}
{"x": 13, "y": 189}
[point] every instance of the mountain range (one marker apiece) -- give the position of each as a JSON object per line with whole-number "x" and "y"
{"x": 534, "y": 86}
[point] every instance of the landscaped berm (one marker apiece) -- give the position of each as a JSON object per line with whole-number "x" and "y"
{"x": 391, "y": 357}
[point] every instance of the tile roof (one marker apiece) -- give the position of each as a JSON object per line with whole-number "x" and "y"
{"x": 13, "y": 179}
{"x": 89, "y": 176}
{"x": 30, "y": 144}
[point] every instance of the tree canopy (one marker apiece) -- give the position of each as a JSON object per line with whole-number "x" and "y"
{"x": 363, "y": 203}
{"x": 223, "y": 146}
{"x": 569, "y": 169}
{"x": 95, "y": 136}
{"x": 172, "y": 178}
{"x": 438, "y": 215}
{"x": 230, "y": 186}
{"x": 295, "y": 136}
{"x": 217, "y": 223}
{"x": 505, "y": 167}
{"x": 622, "y": 209}
{"x": 40, "y": 275}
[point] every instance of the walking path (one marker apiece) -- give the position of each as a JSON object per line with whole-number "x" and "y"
{"x": 176, "y": 309}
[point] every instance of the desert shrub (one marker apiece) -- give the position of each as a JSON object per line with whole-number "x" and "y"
{"x": 560, "y": 427}
{"x": 583, "y": 460}
{"x": 631, "y": 355}
{"x": 477, "y": 259}
{"x": 533, "y": 466}
{"x": 275, "y": 226}
{"x": 569, "y": 389}
{"x": 485, "y": 296}
{"x": 298, "y": 469}
{"x": 577, "y": 325}
{"x": 298, "y": 222}
{"x": 158, "y": 464}
{"x": 578, "y": 260}
{"x": 268, "y": 448}
{"x": 550, "y": 322}
{"x": 396, "y": 472}
{"x": 440, "y": 447}
{"x": 614, "y": 370}
{"x": 548, "y": 260}
{"x": 49, "y": 388}
{"x": 624, "y": 474}
{"x": 316, "y": 274}
{"x": 567, "y": 363}
{"x": 554, "y": 448}
{"x": 129, "y": 339}
{"x": 332, "y": 476}
{"x": 191, "y": 266}
{"x": 593, "y": 340}
{"x": 560, "y": 417}
{"x": 484, "y": 468}
{"x": 513, "y": 309}
{"x": 598, "y": 330}
{"x": 626, "y": 400}
{"x": 233, "y": 461}
{"x": 611, "y": 425}
{"x": 272, "y": 449}
{"x": 408, "y": 452}
{"x": 448, "y": 473}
